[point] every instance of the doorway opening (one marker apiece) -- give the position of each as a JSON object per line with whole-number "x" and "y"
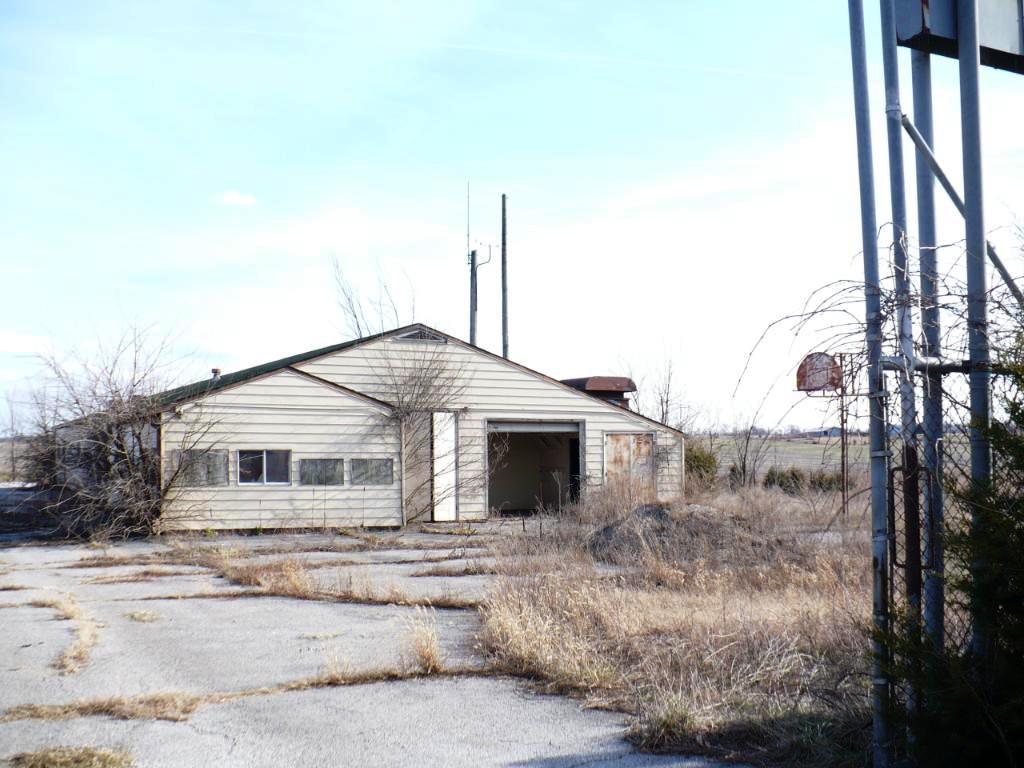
{"x": 532, "y": 466}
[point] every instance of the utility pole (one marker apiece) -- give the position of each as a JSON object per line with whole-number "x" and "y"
{"x": 504, "y": 279}
{"x": 472, "y": 297}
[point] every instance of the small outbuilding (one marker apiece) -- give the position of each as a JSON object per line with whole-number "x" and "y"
{"x": 412, "y": 424}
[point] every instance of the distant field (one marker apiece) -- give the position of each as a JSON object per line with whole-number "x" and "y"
{"x": 807, "y": 453}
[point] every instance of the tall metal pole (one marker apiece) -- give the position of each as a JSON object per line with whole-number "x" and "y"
{"x": 504, "y": 279}
{"x": 977, "y": 306}
{"x": 472, "y": 297}
{"x": 934, "y": 590}
{"x": 881, "y": 741}
{"x": 904, "y": 322}
{"x": 897, "y": 195}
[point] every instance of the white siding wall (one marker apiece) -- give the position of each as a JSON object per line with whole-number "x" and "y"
{"x": 287, "y": 411}
{"x": 492, "y": 389}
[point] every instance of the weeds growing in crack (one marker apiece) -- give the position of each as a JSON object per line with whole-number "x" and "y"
{"x": 76, "y": 655}
{"x": 73, "y": 757}
{"x": 179, "y": 706}
{"x": 422, "y": 649}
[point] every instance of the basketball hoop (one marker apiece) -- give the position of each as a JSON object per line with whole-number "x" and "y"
{"x": 819, "y": 371}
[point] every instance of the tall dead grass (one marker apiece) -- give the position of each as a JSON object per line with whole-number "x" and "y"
{"x": 730, "y": 628}
{"x": 422, "y": 649}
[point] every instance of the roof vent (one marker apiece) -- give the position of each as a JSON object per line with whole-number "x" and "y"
{"x": 421, "y": 335}
{"x": 610, "y": 388}
{"x": 215, "y": 374}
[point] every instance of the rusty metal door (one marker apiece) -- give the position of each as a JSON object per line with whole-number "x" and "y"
{"x": 629, "y": 458}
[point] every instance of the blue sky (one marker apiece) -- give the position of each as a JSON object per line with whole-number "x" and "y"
{"x": 679, "y": 175}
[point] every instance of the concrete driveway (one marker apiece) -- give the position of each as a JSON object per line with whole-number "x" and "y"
{"x": 157, "y": 626}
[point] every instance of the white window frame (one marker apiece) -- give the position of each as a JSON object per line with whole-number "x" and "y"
{"x": 264, "y": 481}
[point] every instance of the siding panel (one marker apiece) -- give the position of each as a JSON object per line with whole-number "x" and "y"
{"x": 287, "y": 411}
{"x": 488, "y": 388}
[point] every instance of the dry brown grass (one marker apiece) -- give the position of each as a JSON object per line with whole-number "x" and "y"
{"x": 178, "y": 706}
{"x": 76, "y": 655}
{"x": 66, "y": 607}
{"x": 731, "y": 633}
{"x": 14, "y": 587}
{"x": 452, "y": 571}
{"x": 422, "y": 649}
{"x": 116, "y": 561}
{"x": 143, "y": 617}
{"x": 73, "y": 757}
{"x": 146, "y": 574}
{"x": 86, "y": 630}
{"x": 291, "y": 578}
{"x": 462, "y": 529}
{"x": 172, "y": 706}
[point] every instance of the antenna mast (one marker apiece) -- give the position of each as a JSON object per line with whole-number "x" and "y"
{"x": 504, "y": 279}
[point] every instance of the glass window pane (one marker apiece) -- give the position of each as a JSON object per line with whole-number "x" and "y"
{"x": 279, "y": 466}
{"x": 190, "y": 469}
{"x": 333, "y": 471}
{"x": 250, "y": 466}
{"x": 372, "y": 472}
{"x": 217, "y": 467}
{"x": 321, "y": 471}
{"x": 309, "y": 472}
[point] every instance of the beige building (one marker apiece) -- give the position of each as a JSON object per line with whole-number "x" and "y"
{"x": 411, "y": 424}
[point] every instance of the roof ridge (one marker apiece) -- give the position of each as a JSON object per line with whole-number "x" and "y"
{"x": 199, "y": 388}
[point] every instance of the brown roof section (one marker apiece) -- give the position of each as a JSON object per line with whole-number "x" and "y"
{"x": 602, "y": 384}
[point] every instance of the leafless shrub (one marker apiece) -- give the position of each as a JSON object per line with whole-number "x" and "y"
{"x": 95, "y": 449}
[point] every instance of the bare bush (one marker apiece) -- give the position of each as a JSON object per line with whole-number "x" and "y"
{"x": 95, "y": 449}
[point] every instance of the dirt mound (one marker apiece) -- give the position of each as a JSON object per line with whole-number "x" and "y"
{"x": 694, "y": 533}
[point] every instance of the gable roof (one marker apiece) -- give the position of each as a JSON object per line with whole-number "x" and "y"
{"x": 338, "y": 388}
{"x": 582, "y": 393}
{"x": 205, "y": 387}
{"x": 201, "y": 388}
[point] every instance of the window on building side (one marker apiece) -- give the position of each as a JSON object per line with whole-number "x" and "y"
{"x": 321, "y": 471}
{"x": 264, "y": 467}
{"x": 372, "y": 472}
{"x": 199, "y": 468}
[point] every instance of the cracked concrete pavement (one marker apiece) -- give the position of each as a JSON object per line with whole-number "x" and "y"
{"x": 220, "y": 644}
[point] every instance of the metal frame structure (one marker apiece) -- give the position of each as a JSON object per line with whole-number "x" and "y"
{"x": 920, "y": 455}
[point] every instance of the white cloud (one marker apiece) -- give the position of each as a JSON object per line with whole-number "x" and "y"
{"x": 234, "y": 197}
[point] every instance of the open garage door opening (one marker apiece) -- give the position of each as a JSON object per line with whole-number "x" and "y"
{"x": 532, "y": 466}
